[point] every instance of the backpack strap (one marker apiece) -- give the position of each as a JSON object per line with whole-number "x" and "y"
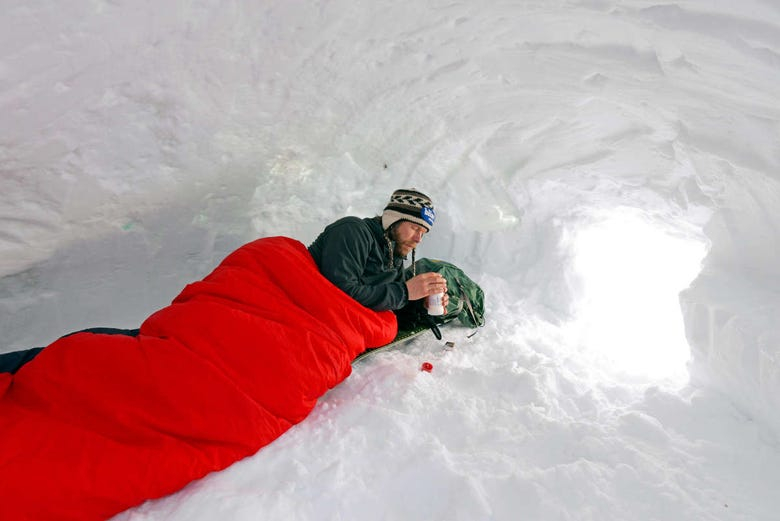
{"x": 465, "y": 298}
{"x": 434, "y": 327}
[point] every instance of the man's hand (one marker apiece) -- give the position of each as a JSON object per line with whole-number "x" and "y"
{"x": 445, "y": 301}
{"x": 426, "y": 284}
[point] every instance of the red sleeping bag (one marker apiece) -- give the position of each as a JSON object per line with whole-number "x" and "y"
{"x": 98, "y": 423}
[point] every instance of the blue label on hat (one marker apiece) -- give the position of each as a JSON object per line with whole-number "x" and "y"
{"x": 428, "y": 215}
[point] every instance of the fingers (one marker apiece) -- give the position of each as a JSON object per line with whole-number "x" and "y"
{"x": 445, "y": 301}
{"x": 434, "y": 283}
{"x": 426, "y": 284}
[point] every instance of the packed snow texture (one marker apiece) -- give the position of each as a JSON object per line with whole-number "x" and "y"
{"x": 607, "y": 170}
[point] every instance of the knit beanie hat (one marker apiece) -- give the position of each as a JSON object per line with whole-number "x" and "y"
{"x": 409, "y": 205}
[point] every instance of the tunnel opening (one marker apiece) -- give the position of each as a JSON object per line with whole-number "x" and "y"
{"x": 630, "y": 268}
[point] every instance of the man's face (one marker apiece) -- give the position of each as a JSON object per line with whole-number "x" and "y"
{"x": 407, "y": 236}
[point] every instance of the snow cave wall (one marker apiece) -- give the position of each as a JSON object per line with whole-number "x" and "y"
{"x": 143, "y": 142}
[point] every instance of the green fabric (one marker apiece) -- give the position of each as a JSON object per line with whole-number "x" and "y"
{"x": 354, "y": 255}
{"x": 467, "y": 300}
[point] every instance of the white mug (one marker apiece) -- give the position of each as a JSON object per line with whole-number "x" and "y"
{"x": 434, "y": 304}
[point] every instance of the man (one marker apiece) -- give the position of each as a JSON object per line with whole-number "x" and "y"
{"x": 364, "y": 256}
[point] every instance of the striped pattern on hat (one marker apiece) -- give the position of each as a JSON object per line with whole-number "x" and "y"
{"x": 409, "y": 205}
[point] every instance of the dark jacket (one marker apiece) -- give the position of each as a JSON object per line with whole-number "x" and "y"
{"x": 354, "y": 254}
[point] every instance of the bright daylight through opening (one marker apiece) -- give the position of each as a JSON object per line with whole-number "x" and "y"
{"x": 632, "y": 270}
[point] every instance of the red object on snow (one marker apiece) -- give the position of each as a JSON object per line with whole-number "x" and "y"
{"x": 96, "y": 423}
{"x": 427, "y": 367}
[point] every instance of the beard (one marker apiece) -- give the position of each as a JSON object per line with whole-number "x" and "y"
{"x": 401, "y": 248}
